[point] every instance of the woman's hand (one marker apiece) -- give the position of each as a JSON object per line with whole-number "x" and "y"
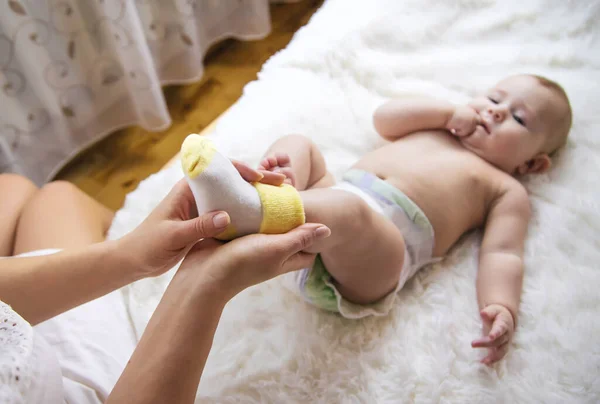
{"x": 173, "y": 227}
{"x": 227, "y": 269}
{"x": 168, "y": 362}
{"x": 265, "y": 176}
{"x": 169, "y": 232}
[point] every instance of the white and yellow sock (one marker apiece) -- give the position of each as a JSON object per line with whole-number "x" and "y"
{"x": 217, "y": 185}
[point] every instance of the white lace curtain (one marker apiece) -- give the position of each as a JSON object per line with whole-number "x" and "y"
{"x": 72, "y": 71}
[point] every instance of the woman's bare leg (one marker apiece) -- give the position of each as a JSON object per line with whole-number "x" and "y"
{"x": 61, "y": 216}
{"x": 306, "y": 162}
{"x": 365, "y": 251}
{"x": 15, "y": 191}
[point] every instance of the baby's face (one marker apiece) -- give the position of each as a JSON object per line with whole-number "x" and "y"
{"x": 517, "y": 117}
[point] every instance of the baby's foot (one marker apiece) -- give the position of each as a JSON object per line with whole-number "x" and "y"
{"x": 217, "y": 185}
{"x": 279, "y": 163}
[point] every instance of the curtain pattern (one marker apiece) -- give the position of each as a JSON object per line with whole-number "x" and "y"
{"x": 72, "y": 71}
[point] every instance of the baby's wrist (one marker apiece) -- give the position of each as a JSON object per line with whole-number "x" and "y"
{"x": 511, "y": 311}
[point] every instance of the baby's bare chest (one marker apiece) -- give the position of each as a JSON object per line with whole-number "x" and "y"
{"x": 432, "y": 158}
{"x": 450, "y": 184}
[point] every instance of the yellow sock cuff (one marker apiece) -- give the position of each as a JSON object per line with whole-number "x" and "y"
{"x": 229, "y": 233}
{"x": 282, "y": 208}
{"x": 196, "y": 154}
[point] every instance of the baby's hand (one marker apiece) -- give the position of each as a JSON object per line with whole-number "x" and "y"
{"x": 498, "y": 329}
{"x": 463, "y": 121}
{"x": 279, "y": 163}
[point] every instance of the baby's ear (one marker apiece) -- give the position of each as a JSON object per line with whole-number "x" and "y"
{"x": 537, "y": 165}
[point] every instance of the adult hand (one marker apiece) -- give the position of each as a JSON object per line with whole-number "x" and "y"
{"x": 229, "y": 268}
{"x": 169, "y": 232}
{"x": 265, "y": 176}
{"x": 184, "y": 323}
{"x": 173, "y": 227}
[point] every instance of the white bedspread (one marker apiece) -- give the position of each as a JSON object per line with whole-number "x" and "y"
{"x": 272, "y": 347}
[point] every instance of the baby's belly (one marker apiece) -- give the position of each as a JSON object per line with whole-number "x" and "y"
{"x": 452, "y": 209}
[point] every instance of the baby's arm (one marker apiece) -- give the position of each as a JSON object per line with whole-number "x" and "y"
{"x": 404, "y": 116}
{"x": 500, "y": 275}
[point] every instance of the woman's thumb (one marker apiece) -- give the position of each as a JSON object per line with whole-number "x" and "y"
{"x": 298, "y": 240}
{"x": 207, "y": 225}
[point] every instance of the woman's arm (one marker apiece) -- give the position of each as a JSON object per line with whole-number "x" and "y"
{"x": 168, "y": 362}
{"x": 39, "y": 288}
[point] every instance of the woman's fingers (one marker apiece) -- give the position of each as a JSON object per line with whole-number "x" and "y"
{"x": 292, "y": 244}
{"x": 207, "y": 225}
{"x": 253, "y": 259}
{"x": 247, "y": 172}
{"x": 261, "y": 175}
{"x": 272, "y": 178}
{"x": 298, "y": 261}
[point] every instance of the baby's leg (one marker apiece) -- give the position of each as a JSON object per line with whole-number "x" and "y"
{"x": 306, "y": 162}
{"x": 365, "y": 251}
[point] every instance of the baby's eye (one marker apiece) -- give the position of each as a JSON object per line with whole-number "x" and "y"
{"x": 493, "y": 100}
{"x": 518, "y": 119}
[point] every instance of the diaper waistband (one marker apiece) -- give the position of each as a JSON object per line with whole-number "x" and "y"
{"x": 389, "y": 195}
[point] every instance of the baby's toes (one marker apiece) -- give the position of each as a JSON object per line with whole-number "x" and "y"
{"x": 267, "y": 164}
{"x": 290, "y": 177}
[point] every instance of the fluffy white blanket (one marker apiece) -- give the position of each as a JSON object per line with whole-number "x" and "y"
{"x": 354, "y": 54}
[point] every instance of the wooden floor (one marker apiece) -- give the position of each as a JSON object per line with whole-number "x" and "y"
{"x": 114, "y": 166}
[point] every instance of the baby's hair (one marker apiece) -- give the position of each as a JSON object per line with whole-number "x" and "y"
{"x": 560, "y": 137}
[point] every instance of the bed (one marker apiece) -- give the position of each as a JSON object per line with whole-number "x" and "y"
{"x": 272, "y": 347}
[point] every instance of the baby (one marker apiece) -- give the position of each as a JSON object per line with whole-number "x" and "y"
{"x": 446, "y": 170}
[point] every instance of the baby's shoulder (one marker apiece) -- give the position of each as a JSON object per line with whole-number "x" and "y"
{"x": 509, "y": 191}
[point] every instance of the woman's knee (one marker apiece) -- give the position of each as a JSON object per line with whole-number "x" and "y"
{"x": 16, "y": 185}
{"x": 59, "y": 190}
{"x": 15, "y": 192}
{"x": 56, "y": 196}
{"x": 61, "y": 216}
{"x": 65, "y": 198}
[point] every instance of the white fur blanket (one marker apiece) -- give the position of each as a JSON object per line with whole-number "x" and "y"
{"x": 272, "y": 347}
